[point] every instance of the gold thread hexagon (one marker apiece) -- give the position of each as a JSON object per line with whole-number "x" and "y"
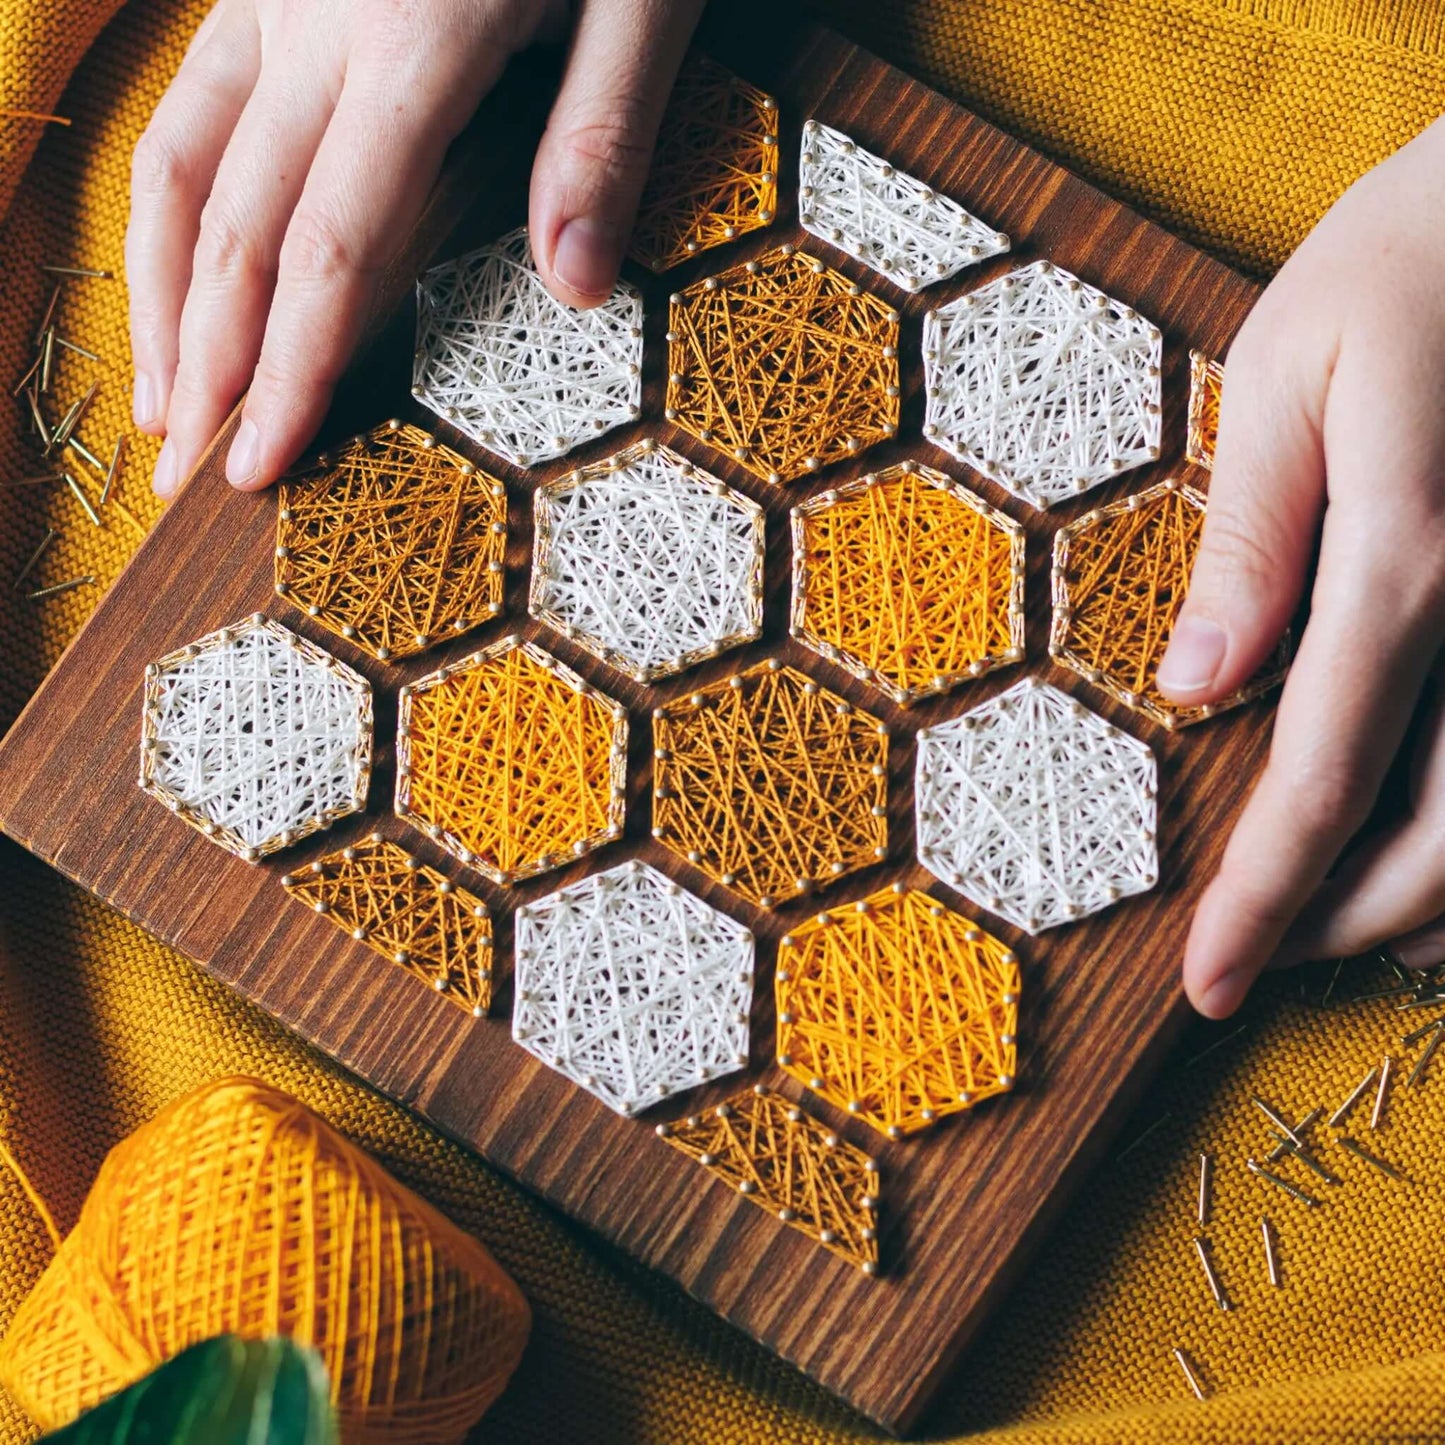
{"x": 909, "y": 581}
{"x": 1206, "y": 386}
{"x": 511, "y": 761}
{"x": 898, "y": 1010}
{"x": 784, "y": 364}
{"x": 392, "y": 541}
{"x": 770, "y": 783}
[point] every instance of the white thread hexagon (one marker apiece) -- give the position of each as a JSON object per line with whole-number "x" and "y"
{"x": 256, "y": 737}
{"x": 1036, "y": 808}
{"x": 883, "y": 217}
{"x": 1043, "y": 383}
{"x": 632, "y": 987}
{"x": 648, "y": 562}
{"x": 516, "y": 370}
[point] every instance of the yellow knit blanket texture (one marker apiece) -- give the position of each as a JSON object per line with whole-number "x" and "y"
{"x": 1236, "y": 122}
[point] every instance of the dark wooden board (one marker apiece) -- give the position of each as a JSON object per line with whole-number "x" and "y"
{"x": 963, "y": 1204}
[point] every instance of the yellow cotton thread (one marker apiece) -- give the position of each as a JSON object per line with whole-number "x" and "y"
{"x": 236, "y": 1209}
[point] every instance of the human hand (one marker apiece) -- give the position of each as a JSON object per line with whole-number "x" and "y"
{"x": 296, "y": 146}
{"x": 1331, "y": 429}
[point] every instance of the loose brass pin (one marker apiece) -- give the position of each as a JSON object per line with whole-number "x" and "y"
{"x": 1377, "y": 1114}
{"x": 1139, "y": 1139}
{"x": 1206, "y": 1172}
{"x": 1423, "y": 1062}
{"x": 1343, "y": 1112}
{"x": 49, "y": 314}
{"x": 1277, "y": 1119}
{"x": 47, "y": 359}
{"x": 1285, "y": 1146}
{"x": 1201, "y": 1248}
{"x": 41, "y": 479}
{"x": 79, "y": 271}
{"x": 67, "y": 586}
{"x": 1415, "y": 1035}
{"x": 79, "y": 350}
{"x": 38, "y": 419}
{"x": 1306, "y": 1158}
{"x": 1373, "y": 1160}
{"x": 1189, "y": 1375}
{"x": 85, "y": 454}
{"x": 112, "y": 470}
{"x": 24, "y": 380}
{"x": 82, "y": 499}
{"x": 1255, "y": 1167}
{"x": 35, "y": 556}
{"x": 1271, "y": 1259}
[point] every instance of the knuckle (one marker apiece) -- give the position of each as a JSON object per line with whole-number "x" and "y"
{"x": 227, "y": 250}
{"x": 317, "y": 251}
{"x": 1237, "y": 552}
{"x": 1327, "y": 797}
{"x": 160, "y": 164}
{"x": 609, "y": 147}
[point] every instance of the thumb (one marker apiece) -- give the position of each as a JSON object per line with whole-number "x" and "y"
{"x": 1265, "y": 500}
{"x": 593, "y": 160}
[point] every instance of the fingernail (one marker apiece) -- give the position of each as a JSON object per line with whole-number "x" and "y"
{"x": 245, "y": 453}
{"x": 143, "y": 401}
{"x": 1193, "y": 656}
{"x": 1421, "y": 950}
{"x": 165, "y": 480}
{"x": 1225, "y": 994}
{"x": 588, "y": 255}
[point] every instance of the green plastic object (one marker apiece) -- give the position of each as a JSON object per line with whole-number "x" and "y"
{"x": 226, "y": 1391}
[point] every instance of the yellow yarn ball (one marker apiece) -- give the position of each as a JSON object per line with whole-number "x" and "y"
{"x": 237, "y": 1210}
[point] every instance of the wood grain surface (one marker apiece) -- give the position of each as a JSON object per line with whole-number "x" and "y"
{"x": 962, "y": 1204}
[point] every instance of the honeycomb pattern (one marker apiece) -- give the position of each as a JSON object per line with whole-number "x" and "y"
{"x": 908, "y": 580}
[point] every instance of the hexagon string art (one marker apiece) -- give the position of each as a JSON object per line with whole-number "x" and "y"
{"x": 1206, "y": 386}
{"x": 777, "y": 1157}
{"x": 714, "y": 174}
{"x": 648, "y": 562}
{"x": 1044, "y": 384}
{"x": 908, "y": 580}
{"x": 1036, "y": 808}
{"x": 898, "y": 1010}
{"x": 509, "y": 365}
{"x": 256, "y": 737}
{"x": 784, "y": 364}
{"x": 511, "y": 761}
{"x": 632, "y": 987}
{"x": 770, "y": 784}
{"x": 412, "y": 915}
{"x": 392, "y": 541}
{"x": 884, "y": 217}
{"x": 1120, "y": 577}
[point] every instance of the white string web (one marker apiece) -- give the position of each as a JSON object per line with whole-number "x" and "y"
{"x": 1042, "y": 383}
{"x": 632, "y": 987}
{"x": 648, "y": 561}
{"x": 504, "y": 361}
{"x": 256, "y": 737}
{"x": 884, "y": 217}
{"x": 1036, "y": 808}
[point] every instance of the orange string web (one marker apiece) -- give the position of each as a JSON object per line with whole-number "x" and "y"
{"x": 393, "y": 541}
{"x": 909, "y": 581}
{"x": 785, "y": 364}
{"x": 897, "y": 1009}
{"x": 511, "y": 761}
{"x": 1120, "y": 576}
{"x": 773, "y": 1154}
{"x": 770, "y": 783}
{"x": 714, "y": 174}
{"x": 1206, "y": 382}
{"x": 384, "y": 897}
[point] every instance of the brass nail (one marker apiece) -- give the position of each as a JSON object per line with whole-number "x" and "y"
{"x": 49, "y": 314}
{"x": 35, "y": 556}
{"x": 1276, "y": 1118}
{"x": 79, "y": 271}
{"x": 85, "y": 453}
{"x": 47, "y": 358}
{"x": 1285, "y": 1146}
{"x": 1201, "y": 1248}
{"x": 1189, "y": 1375}
{"x": 79, "y": 350}
{"x": 1433, "y": 1000}
{"x": 1271, "y": 1260}
{"x": 1365, "y": 1157}
{"x": 1304, "y": 1156}
{"x": 38, "y": 418}
{"x": 112, "y": 469}
{"x": 82, "y": 498}
{"x": 1415, "y": 1035}
{"x": 24, "y": 380}
{"x": 1255, "y": 1167}
{"x": 1423, "y": 1062}
{"x": 1343, "y": 1112}
{"x": 41, "y": 479}
{"x": 67, "y": 586}
{"x": 1205, "y": 1172}
{"x": 1377, "y": 1114}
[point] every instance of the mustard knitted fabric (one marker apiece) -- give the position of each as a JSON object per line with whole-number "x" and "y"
{"x": 1234, "y": 121}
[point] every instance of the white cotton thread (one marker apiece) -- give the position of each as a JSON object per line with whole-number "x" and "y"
{"x": 256, "y": 737}
{"x": 516, "y": 370}
{"x": 632, "y": 987}
{"x": 883, "y": 217}
{"x": 648, "y": 561}
{"x": 1036, "y": 808}
{"x": 1043, "y": 383}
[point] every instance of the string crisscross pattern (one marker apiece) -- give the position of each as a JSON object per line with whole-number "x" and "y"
{"x": 1119, "y": 579}
{"x": 1036, "y": 808}
{"x": 1044, "y": 384}
{"x": 882, "y": 216}
{"x": 910, "y": 581}
{"x": 784, "y": 364}
{"x": 898, "y": 1010}
{"x": 632, "y": 987}
{"x": 256, "y": 737}
{"x": 1206, "y": 385}
{"x": 513, "y": 368}
{"x": 648, "y": 562}
{"x": 393, "y": 541}
{"x": 389, "y": 900}
{"x": 511, "y": 761}
{"x": 781, "y": 1159}
{"x": 770, "y": 784}
{"x": 714, "y": 175}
